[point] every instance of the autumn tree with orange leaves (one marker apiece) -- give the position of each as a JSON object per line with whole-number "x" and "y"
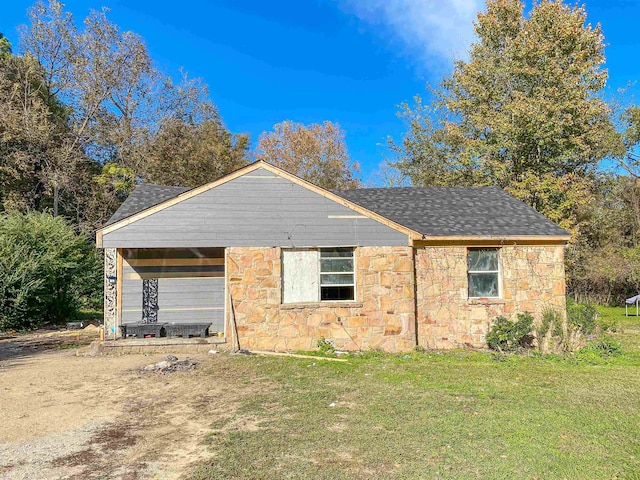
{"x": 317, "y": 153}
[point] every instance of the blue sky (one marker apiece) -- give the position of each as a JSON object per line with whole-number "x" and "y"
{"x": 348, "y": 61}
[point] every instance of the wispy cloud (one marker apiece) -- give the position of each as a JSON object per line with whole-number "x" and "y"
{"x": 429, "y": 29}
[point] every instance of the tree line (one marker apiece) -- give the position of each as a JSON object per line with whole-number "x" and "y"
{"x": 87, "y": 114}
{"x": 527, "y": 112}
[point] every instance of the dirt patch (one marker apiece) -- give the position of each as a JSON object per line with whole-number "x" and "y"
{"x": 83, "y": 457}
{"x": 28, "y": 344}
{"x": 74, "y": 416}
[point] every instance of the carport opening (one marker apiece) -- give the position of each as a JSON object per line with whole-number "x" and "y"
{"x": 173, "y": 292}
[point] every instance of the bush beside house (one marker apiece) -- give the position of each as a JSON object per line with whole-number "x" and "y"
{"x": 47, "y": 271}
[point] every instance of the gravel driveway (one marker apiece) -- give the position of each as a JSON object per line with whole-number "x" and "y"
{"x": 67, "y": 415}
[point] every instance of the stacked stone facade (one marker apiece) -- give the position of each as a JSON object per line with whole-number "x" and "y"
{"x": 532, "y": 278}
{"x": 111, "y": 329}
{"x": 393, "y": 285}
{"x": 382, "y": 316}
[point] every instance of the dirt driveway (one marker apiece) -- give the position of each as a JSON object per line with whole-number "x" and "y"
{"x": 67, "y": 415}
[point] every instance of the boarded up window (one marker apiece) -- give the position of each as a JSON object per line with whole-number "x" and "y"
{"x": 312, "y": 275}
{"x": 300, "y": 276}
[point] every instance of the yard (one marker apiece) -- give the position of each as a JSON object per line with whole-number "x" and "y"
{"x": 451, "y": 415}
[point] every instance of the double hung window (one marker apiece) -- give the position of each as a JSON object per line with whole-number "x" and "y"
{"x": 483, "y": 272}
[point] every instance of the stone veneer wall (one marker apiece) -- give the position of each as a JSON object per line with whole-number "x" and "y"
{"x": 110, "y": 293}
{"x": 532, "y": 277}
{"x": 383, "y": 315}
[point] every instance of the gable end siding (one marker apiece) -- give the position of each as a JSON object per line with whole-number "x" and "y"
{"x": 258, "y": 209}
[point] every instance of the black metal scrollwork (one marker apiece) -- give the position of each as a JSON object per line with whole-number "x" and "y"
{"x": 150, "y": 300}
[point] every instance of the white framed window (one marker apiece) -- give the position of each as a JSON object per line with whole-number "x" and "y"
{"x": 337, "y": 274}
{"x": 483, "y": 266}
{"x": 318, "y": 275}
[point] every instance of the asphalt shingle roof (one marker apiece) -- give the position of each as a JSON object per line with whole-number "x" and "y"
{"x": 144, "y": 196}
{"x": 463, "y": 211}
{"x": 432, "y": 211}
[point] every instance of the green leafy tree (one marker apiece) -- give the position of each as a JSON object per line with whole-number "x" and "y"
{"x": 524, "y": 108}
{"x": 108, "y": 190}
{"x": 106, "y": 80}
{"x": 5, "y": 46}
{"x": 32, "y": 129}
{"x": 96, "y": 97}
{"x": 629, "y": 124}
{"x": 603, "y": 264}
{"x": 192, "y": 154}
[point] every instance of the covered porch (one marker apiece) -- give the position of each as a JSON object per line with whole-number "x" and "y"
{"x": 165, "y": 292}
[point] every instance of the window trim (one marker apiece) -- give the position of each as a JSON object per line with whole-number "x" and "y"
{"x": 498, "y": 272}
{"x": 318, "y": 251}
{"x": 353, "y": 272}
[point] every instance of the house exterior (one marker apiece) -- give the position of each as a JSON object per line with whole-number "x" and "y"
{"x": 278, "y": 263}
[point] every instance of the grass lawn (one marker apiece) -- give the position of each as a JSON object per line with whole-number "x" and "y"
{"x": 618, "y": 315}
{"x": 449, "y": 415}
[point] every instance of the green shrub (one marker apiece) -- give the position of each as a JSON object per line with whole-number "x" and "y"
{"x": 607, "y": 324}
{"x": 548, "y": 320}
{"x": 551, "y": 321}
{"x": 582, "y": 317}
{"x": 605, "y": 346}
{"x": 550, "y": 333}
{"x": 505, "y": 335}
{"x": 46, "y": 269}
{"x": 325, "y": 346}
{"x": 88, "y": 289}
{"x": 599, "y": 351}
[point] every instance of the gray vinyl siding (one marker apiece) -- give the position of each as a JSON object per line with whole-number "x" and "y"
{"x": 131, "y": 297}
{"x": 258, "y": 209}
{"x": 180, "y": 300}
{"x": 192, "y": 300}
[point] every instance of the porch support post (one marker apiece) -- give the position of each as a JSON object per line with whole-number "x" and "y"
{"x": 110, "y": 293}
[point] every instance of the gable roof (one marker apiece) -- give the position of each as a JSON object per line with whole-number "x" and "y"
{"x": 144, "y": 196}
{"x": 455, "y": 211}
{"x": 420, "y": 212}
{"x": 116, "y": 223}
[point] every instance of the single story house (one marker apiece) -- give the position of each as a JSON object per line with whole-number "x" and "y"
{"x": 279, "y": 263}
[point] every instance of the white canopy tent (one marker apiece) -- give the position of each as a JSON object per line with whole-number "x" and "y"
{"x": 631, "y": 301}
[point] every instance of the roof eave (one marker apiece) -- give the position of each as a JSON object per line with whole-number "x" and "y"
{"x": 493, "y": 239}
